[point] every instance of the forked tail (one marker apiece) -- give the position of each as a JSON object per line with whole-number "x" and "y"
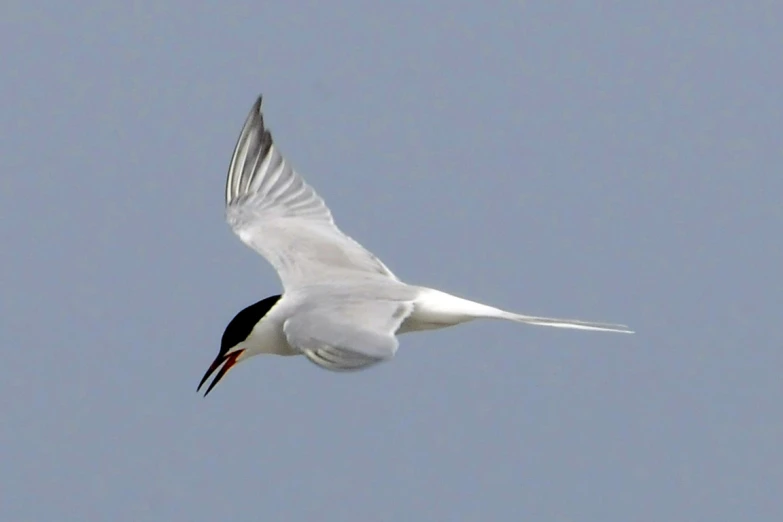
{"x": 567, "y": 323}
{"x": 436, "y": 309}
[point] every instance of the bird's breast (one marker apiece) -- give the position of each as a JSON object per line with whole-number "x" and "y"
{"x": 268, "y": 337}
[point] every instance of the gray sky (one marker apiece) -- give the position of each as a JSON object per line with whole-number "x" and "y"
{"x": 614, "y": 162}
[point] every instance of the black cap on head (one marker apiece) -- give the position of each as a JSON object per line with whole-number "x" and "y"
{"x": 243, "y": 323}
{"x": 237, "y": 331}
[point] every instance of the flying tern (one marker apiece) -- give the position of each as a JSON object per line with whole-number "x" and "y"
{"x": 341, "y": 307}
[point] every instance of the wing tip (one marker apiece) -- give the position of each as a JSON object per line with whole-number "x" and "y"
{"x": 237, "y": 178}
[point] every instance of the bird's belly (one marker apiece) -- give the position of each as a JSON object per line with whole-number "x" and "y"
{"x": 421, "y": 323}
{"x": 434, "y": 309}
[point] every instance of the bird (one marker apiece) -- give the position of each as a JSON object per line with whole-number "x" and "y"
{"x": 340, "y": 307}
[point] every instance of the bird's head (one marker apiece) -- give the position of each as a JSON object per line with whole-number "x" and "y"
{"x": 234, "y": 344}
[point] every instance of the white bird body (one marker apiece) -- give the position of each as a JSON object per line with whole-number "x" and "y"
{"x": 341, "y": 306}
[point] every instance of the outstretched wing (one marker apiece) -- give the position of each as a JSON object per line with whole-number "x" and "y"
{"x": 273, "y": 211}
{"x": 347, "y": 335}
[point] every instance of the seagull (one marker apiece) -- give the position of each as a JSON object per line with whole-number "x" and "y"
{"x": 341, "y": 307}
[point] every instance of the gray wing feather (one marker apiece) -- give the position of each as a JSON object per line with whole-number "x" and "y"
{"x": 348, "y": 335}
{"x": 272, "y": 210}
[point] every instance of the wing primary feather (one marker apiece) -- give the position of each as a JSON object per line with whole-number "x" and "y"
{"x": 339, "y": 361}
{"x": 238, "y": 165}
{"x": 275, "y": 212}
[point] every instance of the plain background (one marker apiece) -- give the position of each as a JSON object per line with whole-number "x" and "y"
{"x": 607, "y": 161}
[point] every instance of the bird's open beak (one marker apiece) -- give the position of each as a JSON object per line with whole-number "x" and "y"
{"x": 226, "y": 361}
